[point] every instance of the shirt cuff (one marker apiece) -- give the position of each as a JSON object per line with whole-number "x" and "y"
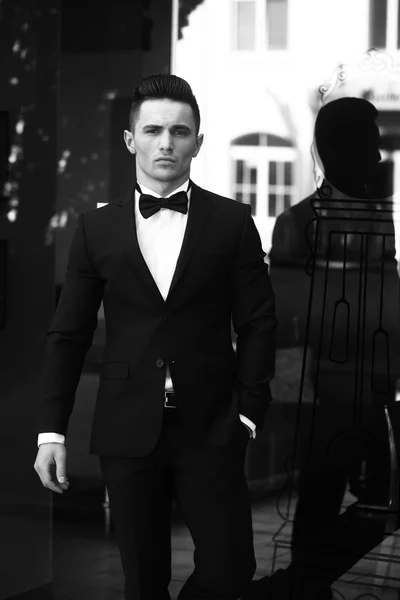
{"x": 45, "y": 438}
{"x": 250, "y": 424}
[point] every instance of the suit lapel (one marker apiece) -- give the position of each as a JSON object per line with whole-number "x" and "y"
{"x": 200, "y": 204}
{"x": 131, "y": 246}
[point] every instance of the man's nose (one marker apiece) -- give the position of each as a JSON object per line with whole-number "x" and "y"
{"x": 166, "y": 142}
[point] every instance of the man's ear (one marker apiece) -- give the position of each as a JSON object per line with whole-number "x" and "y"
{"x": 129, "y": 142}
{"x": 199, "y": 143}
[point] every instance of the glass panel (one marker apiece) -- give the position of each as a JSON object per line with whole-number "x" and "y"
{"x": 246, "y": 20}
{"x": 253, "y": 176}
{"x": 377, "y": 23}
{"x": 272, "y": 173}
{"x": 277, "y": 19}
{"x": 239, "y": 196}
{"x": 288, "y": 173}
{"x": 271, "y": 205}
{"x": 252, "y": 139}
{"x": 239, "y": 171}
{"x": 286, "y": 201}
{"x": 275, "y": 140}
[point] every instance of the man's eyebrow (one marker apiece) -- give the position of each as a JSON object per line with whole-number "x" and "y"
{"x": 181, "y": 127}
{"x": 177, "y": 126}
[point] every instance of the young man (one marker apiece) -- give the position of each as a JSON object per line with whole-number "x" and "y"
{"x": 173, "y": 264}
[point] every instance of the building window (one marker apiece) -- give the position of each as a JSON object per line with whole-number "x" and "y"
{"x": 384, "y": 24}
{"x": 261, "y": 25}
{"x": 280, "y": 190}
{"x": 277, "y": 19}
{"x": 245, "y": 182}
{"x": 246, "y": 25}
{"x": 263, "y": 173}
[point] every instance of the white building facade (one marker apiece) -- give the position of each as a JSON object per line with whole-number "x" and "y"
{"x": 255, "y": 67}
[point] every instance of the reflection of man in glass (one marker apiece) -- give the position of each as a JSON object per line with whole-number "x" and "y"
{"x": 354, "y": 337}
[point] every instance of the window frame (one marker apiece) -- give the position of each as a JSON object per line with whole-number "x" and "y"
{"x": 266, "y": 36}
{"x": 261, "y": 43}
{"x": 262, "y": 156}
{"x": 392, "y": 35}
{"x": 236, "y": 25}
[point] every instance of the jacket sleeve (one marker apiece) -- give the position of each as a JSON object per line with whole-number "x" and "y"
{"x": 254, "y": 321}
{"x": 69, "y": 336}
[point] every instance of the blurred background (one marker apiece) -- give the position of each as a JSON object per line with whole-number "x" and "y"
{"x": 67, "y": 72}
{"x": 256, "y": 66}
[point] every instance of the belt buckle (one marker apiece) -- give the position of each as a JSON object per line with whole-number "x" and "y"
{"x": 166, "y": 405}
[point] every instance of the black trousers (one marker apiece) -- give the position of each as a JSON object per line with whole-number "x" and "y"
{"x": 211, "y": 489}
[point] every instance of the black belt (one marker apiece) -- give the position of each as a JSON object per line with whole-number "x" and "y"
{"x": 169, "y": 398}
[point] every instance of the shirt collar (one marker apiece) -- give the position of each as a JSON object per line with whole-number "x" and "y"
{"x": 181, "y": 188}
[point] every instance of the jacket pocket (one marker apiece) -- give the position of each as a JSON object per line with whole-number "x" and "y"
{"x": 114, "y": 370}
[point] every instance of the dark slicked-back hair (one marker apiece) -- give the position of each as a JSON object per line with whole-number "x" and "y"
{"x": 158, "y": 87}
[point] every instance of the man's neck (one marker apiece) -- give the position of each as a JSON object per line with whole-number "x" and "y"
{"x": 162, "y": 187}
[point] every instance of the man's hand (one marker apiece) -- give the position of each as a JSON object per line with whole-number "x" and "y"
{"x": 50, "y": 465}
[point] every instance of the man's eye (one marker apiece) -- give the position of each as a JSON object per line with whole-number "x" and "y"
{"x": 180, "y": 132}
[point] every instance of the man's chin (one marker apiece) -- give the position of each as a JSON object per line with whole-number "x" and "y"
{"x": 165, "y": 166}
{"x": 166, "y": 175}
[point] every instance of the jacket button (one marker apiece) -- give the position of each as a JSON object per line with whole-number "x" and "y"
{"x": 160, "y": 363}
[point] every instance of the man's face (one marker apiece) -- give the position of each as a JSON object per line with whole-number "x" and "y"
{"x": 164, "y": 141}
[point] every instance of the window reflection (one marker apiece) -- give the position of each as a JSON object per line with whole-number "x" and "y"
{"x": 263, "y": 167}
{"x": 378, "y": 23}
{"x": 261, "y": 25}
{"x": 385, "y": 24}
{"x": 277, "y": 20}
{"x": 246, "y": 22}
{"x": 259, "y": 113}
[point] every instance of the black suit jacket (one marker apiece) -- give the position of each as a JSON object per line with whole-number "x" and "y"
{"x": 220, "y": 274}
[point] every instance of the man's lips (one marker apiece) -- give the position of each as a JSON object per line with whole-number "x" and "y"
{"x": 165, "y": 159}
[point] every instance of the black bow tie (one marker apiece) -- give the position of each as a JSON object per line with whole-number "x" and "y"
{"x": 149, "y": 205}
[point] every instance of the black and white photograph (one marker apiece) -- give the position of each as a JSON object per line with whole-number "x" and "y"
{"x": 200, "y": 300}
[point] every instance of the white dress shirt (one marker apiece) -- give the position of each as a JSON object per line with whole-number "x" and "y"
{"x": 160, "y": 240}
